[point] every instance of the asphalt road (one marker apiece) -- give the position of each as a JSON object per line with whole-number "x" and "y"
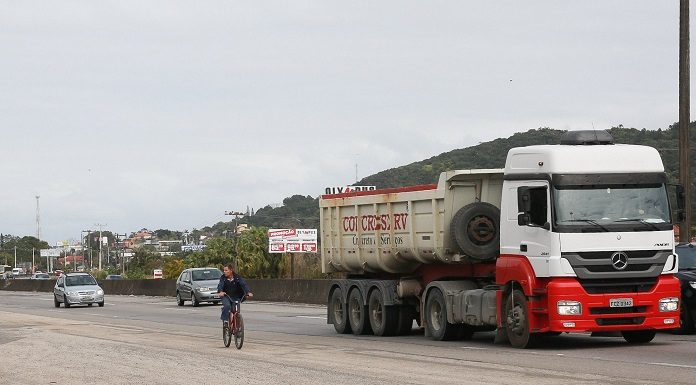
{"x": 150, "y": 340}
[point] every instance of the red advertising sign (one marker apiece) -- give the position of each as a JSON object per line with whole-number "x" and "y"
{"x": 310, "y": 247}
{"x": 292, "y": 241}
{"x": 293, "y": 247}
{"x": 276, "y": 247}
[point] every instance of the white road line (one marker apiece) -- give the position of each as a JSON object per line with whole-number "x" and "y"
{"x": 309, "y": 316}
{"x": 672, "y": 365}
{"x": 472, "y": 348}
{"x": 46, "y": 299}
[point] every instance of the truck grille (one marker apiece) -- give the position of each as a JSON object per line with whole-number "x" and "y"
{"x": 608, "y": 286}
{"x": 598, "y": 264}
{"x": 618, "y": 310}
{"x": 620, "y": 321}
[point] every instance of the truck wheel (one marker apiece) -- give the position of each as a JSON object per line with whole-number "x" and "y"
{"x": 476, "y": 230}
{"x": 436, "y": 318}
{"x": 383, "y": 319}
{"x": 337, "y": 311}
{"x": 638, "y": 336}
{"x": 357, "y": 317}
{"x": 516, "y": 318}
{"x": 405, "y": 324}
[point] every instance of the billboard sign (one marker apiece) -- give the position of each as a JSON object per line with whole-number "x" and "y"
{"x": 50, "y": 252}
{"x": 332, "y": 190}
{"x": 292, "y": 240}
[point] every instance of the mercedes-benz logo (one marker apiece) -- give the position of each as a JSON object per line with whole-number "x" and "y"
{"x": 619, "y": 260}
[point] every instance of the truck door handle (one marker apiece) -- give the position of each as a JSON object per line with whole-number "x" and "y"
{"x": 523, "y": 247}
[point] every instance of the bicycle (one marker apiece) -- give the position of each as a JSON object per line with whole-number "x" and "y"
{"x": 235, "y": 325}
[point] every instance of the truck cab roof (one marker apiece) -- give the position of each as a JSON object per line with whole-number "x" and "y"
{"x": 583, "y": 159}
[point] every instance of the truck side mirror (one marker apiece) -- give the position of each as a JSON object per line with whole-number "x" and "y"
{"x": 524, "y": 200}
{"x": 523, "y": 219}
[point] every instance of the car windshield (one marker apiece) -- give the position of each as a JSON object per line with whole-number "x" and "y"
{"x": 612, "y": 207}
{"x": 79, "y": 280}
{"x": 206, "y": 275}
{"x": 687, "y": 256}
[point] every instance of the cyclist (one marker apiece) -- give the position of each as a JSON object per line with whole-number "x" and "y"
{"x": 235, "y": 288}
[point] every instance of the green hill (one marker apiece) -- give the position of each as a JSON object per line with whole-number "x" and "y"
{"x": 301, "y": 211}
{"x": 492, "y": 155}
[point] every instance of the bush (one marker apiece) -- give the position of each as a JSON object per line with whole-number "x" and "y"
{"x": 136, "y": 273}
{"x": 172, "y": 268}
{"x": 100, "y": 274}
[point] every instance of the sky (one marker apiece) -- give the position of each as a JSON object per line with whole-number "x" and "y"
{"x": 165, "y": 114}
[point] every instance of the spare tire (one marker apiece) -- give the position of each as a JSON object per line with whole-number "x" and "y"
{"x": 475, "y": 228}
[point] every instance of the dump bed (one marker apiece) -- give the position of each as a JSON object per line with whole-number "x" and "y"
{"x": 397, "y": 230}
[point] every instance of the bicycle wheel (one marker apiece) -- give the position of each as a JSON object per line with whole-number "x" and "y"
{"x": 226, "y": 335}
{"x": 239, "y": 335}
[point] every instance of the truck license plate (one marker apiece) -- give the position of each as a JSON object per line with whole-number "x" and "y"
{"x": 621, "y": 302}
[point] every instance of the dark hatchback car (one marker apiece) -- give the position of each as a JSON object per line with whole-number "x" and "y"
{"x": 687, "y": 276}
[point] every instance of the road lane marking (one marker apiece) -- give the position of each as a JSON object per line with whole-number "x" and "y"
{"x": 673, "y": 365}
{"x": 310, "y": 317}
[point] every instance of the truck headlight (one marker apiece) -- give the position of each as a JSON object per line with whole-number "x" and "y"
{"x": 692, "y": 284}
{"x": 569, "y": 308}
{"x": 669, "y": 304}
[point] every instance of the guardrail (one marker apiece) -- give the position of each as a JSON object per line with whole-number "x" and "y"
{"x": 313, "y": 291}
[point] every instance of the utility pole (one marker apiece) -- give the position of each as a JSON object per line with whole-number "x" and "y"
{"x": 100, "y": 225}
{"x": 33, "y": 263}
{"x": 236, "y": 214}
{"x": 684, "y": 119}
{"x": 15, "y": 250}
{"x": 38, "y": 219}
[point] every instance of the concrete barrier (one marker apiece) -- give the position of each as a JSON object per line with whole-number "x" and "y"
{"x": 312, "y": 291}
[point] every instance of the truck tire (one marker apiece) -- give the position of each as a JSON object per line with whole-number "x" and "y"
{"x": 436, "y": 318}
{"x": 638, "y": 336}
{"x": 357, "y": 313}
{"x": 516, "y": 319}
{"x": 337, "y": 311}
{"x": 405, "y": 324}
{"x": 383, "y": 319}
{"x": 476, "y": 230}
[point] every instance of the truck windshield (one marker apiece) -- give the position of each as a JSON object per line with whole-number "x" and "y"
{"x": 611, "y": 208}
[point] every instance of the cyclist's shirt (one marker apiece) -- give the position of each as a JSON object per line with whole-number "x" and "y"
{"x": 236, "y": 287}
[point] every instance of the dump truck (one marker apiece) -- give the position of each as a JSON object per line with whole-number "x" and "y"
{"x": 574, "y": 237}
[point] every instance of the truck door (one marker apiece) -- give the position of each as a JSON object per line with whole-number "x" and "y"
{"x": 534, "y": 225}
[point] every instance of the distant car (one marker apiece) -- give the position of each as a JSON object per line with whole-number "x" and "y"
{"x": 198, "y": 285}
{"x": 17, "y": 271}
{"x": 40, "y": 276}
{"x": 687, "y": 276}
{"x": 114, "y": 276}
{"x": 77, "y": 288}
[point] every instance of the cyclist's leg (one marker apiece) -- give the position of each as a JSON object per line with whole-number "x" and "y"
{"x": 226, "y": 308}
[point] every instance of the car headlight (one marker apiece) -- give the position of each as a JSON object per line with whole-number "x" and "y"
{"x": 100, "y": 292}
{"x": 669, "y": 304}
{"x": 692, "y": 284}
{"x": 569, "y": 307}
